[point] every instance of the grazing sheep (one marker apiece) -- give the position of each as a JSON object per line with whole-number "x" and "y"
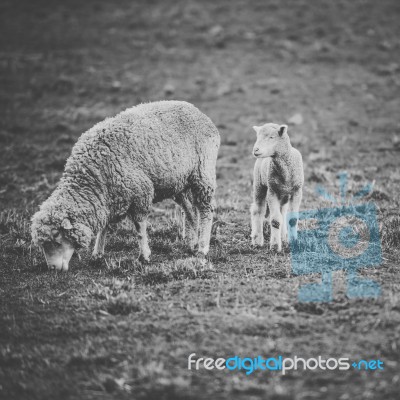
{"x": 118, "y": 168}
{"x": 278, "y": 182}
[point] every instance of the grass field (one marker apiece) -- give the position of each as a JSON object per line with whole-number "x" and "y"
{"x": 119, "y": 329}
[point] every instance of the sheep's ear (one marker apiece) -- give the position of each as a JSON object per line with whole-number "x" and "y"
{"x": 257, "y": 128}
{"x": 282, "y": 129}
{"x": 66, "y": 224}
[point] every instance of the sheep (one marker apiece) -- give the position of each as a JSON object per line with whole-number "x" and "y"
{"x": 277, "y": 185}
{"x": 119, "y": 167}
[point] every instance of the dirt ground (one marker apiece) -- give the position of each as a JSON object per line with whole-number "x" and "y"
{"x": 119, "y": 329}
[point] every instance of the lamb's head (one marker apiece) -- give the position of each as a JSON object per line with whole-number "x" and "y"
{"x": 59, "y": 236}
{"x": 270, "y": 139}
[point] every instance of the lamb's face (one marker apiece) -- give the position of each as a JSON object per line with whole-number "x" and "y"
{"x": 269, "y": 137}
{"x": 58, "y": 251}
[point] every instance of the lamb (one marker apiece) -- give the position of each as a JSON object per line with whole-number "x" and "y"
{"x": 119, "y": 167}
{"x": 277, "y": 185}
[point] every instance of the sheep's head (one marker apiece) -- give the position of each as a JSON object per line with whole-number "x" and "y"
{"x": 59, "y": 238}
{"x": 58, "y": 252}
{"x": 270, "y": 137}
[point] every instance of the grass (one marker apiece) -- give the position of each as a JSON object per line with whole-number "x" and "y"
{"x": 118, "y": 329}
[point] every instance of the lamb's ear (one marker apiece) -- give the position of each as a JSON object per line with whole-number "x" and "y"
{"x": 257, "y": 128}
{"x": 66, "y": 224}
{"x": 282, "y": 129}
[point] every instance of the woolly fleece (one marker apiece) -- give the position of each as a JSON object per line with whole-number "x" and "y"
{"x": 122, "y": 165}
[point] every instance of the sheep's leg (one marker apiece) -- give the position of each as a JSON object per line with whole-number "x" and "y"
{"x": 276, "y": 221}
{"x": 295, "y": 206}
{"x": 205, "y": 225}
{"x": 141, "y": 227}
{"x": 203, "y": 200}
{"x": 190, "y": 220}
{"x": 98, "y": 250}
{"x": 258, "y": 211}
{"x": 141, "y": 201}
{"x": 284, "y": 210}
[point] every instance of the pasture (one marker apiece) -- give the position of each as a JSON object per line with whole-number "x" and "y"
{"x": 119, "y": 329}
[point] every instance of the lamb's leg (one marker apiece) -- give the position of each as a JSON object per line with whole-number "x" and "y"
{"x": 141, "y": 227}
{"x": 284, "y": 210}
{"x": 276, "y": 221}
{"x": 295, "y": 206}
{"x": 98, "y": 250}
{"x": 190, "y": 220}
{"x": 258, "y": 211}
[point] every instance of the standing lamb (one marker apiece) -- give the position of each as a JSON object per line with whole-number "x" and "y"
{"x": 277, "y": 184}
{"x": 118, "y": 168}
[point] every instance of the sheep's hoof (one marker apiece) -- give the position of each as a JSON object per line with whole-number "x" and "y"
{"x": 193, "y": 246}
{"x": 285, "y": 247}
{"x": 201, "y": 258}
{"x": 144, "y": 260}
{"x": 97, "y": 260}
{"x": 193, "y": 250}
{"x": 53, "y": 268}
{"x": 257, "y": 243}
{"x": 274, "y": 248}
{"x": 294, "y": 245}
{"x": 96, "y": 257}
